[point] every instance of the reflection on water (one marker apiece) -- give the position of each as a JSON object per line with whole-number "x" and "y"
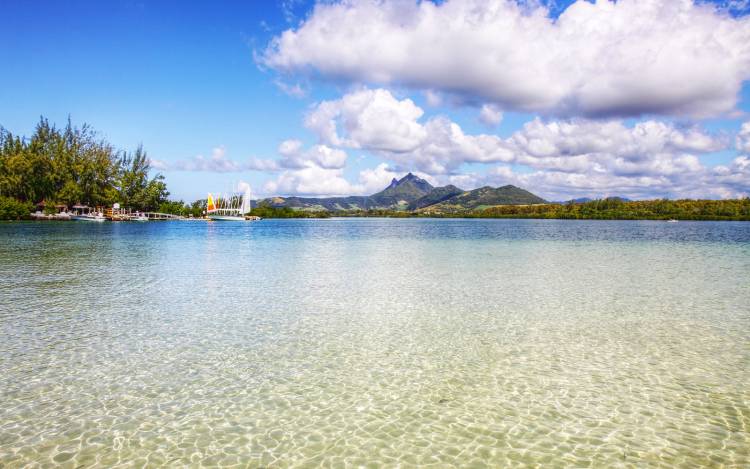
{"x": 388, "y": 342}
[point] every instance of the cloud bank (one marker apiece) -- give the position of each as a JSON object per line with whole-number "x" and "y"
{"x": 376, "y": 121}
{"x": 566, "y": 157}
{"x": 596, "y": 60}
{"x": 557, "y": 159}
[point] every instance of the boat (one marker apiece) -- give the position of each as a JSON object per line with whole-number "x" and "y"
{"x": 84, "y": 213}
{"x": 229, "y": 208}
{"x": 138, "y": 216}
{"x": 671, "y": 220}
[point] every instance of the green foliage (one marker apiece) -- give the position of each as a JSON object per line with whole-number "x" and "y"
{"x": 487, "y": 196}
{"x": 198, "y": 208}
{"x": 181, "y": 208}
{"x": 617, "y": 209}
{"x": 135, "y": 189}
{"x": 435, "y": 196}
{"x": 606, "y": 209}
{"x": 177, "y": 207}
{"x": 12, "y": 209}
{"x": 49, "y": 209}
{"x": 377, "y": 213}
{"x": 266, "y": 211}
{"x": 74, "y": 166}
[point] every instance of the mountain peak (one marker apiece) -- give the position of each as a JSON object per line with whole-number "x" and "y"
{"x": 410, "y": 177}
{"x": 416, "y": 181}
{"x": 408, "y": 188}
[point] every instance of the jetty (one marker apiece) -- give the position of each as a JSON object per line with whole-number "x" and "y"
{"x": 114, "y": 214}
{"x": 109, "y": 214}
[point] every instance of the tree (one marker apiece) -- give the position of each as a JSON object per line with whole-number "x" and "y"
{"x": 73, "y": 165}
{"x": 135, "y": 190}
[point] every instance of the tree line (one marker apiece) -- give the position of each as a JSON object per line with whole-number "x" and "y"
{"x": 267, "y": 211}
{"x": 604, "y": 209}
{"x": 617, "y": 209}
{"x": 70, "y": 166}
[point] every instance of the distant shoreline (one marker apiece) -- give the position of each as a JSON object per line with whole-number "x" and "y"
{"x": 421, "y": 217}
{"x": 470, "y": 217}
{"x": 605, "y": 209}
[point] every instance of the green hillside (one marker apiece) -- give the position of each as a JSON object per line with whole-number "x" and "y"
{"x": 436, "y": 195}
{"x": 412, "y": 193}
{"x": 486, "y": 197}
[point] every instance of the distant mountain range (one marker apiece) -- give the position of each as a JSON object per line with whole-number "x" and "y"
{"x": 583, "y": 200}
{"x": 414, "y": 193}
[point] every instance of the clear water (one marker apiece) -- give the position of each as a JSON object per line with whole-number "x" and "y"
{"x": 375, "y": 342}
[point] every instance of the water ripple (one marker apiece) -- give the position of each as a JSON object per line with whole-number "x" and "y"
{"x": 411, "y": 343}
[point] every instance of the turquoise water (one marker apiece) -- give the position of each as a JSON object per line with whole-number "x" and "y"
{"x": 377, "y": 342}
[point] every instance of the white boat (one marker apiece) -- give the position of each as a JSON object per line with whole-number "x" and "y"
{"x": 138, "y": 216}
{"x": 229, "y": 208}
{"x": 671, "y": 220}
{"x": 96, "y": 216}
{"x": 216, "y": 217}
{"x": 84, "y": 213}
{"x": 90, "y": 216}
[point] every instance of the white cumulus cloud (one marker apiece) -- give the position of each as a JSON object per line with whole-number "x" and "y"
{"x": 601, "y": 59}
{"x": 372, "y": 119}
{"x": 323, "y": 156}
{"x": 440, "y": 146}
{"x": 490, "y": 115}
{"x": 743, "y": 138}
{"x": 217, "y": 163}
{"x": 317, "y": 181}
{"x": 569, "y": 157}
{"x": 312, "y": 180}
{"x": 317, "y": 170}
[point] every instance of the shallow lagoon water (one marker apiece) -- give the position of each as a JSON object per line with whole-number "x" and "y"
{"x": 377, "y": 342}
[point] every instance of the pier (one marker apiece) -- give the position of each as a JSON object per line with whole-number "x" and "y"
{"x": 162, "y": 216}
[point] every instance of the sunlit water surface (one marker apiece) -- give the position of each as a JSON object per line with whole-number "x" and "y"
{"x": 375, "y": 342}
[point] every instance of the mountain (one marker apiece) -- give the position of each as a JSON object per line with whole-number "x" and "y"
{"x": 402, "y": 191}
{"x": 398, "y": 195}
{"x": 486, "y": 197}
{"x": 436, "y": 195}
{"x": 414, "y": 193}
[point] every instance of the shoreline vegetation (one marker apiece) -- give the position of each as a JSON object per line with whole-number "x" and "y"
{"x": 59, "y": 168}
{"x": 605, "y": 209}
{"x": 414, "y": 197}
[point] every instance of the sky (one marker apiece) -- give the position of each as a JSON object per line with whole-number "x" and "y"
{"x": 633, "y": 98}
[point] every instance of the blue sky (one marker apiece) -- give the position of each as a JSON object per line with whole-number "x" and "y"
{"x": 214, "y": 80}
